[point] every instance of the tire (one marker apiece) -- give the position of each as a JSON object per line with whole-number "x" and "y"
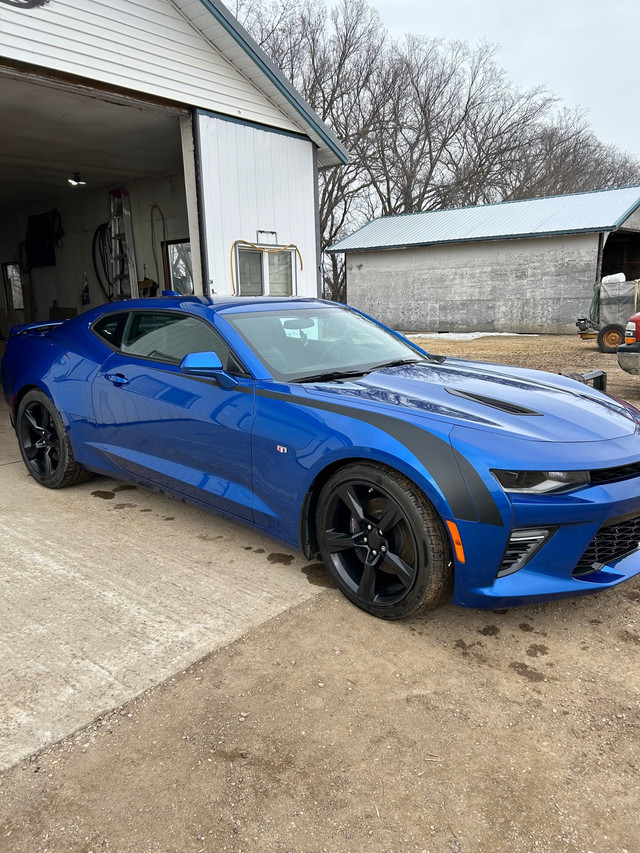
{"x": 44, "y": 443}
{"x": 610, "y": 337}
{"x": 382, "y": 542}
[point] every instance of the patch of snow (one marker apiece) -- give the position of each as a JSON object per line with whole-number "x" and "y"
{"x": 470, "y": 336}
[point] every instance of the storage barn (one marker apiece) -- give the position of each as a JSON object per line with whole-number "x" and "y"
{"x": 149, "y": 145}
{"x": 520, "y": 266}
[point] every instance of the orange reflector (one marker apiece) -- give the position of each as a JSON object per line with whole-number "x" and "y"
{"x": 457, "y": 541}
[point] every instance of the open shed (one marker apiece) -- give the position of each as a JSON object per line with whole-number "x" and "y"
{"x": 520, "y": 266}
{"x": 149, "y": 144}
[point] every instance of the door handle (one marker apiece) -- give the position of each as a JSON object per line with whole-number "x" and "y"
{"x": 116, "y": 378}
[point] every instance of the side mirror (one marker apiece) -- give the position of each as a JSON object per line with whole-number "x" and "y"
{"x": 207, "y": 364}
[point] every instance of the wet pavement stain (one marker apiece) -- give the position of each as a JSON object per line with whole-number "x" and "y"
{"x": 524, "y": 626}
{"x": 106, "y": 496}
{"x": 282, "y": 559}
{"x": 489, "y": 630}
{"x": 206, "y": 538}
{"x": 123, "y": 506}
{"x": 147, "y": 509}
{"x": 537, "y": 649}
{"x": 526, "y": 671}
{"x": 259, "y": 551}
{"x": 169, "y": 518}
{"x": 124, "y": 487}
{"x": 317, "y": 575}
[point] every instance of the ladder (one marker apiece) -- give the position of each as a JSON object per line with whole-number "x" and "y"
{"x": 124, "y": 275}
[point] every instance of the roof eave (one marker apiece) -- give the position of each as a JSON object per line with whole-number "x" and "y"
{"x": 337, "y": 247}
{"x": 331, "y": 152}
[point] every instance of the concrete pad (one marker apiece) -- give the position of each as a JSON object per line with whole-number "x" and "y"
{"x": 106, "y": 591}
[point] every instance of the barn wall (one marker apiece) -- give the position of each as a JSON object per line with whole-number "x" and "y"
{"x": 147, "y": 46}
{"x": 254, "y": 180}
{"x": 63, "y": 282}
{"x": 534, "y": 285}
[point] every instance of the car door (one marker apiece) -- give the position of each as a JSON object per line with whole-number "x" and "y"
{"x": 180, "y": 432}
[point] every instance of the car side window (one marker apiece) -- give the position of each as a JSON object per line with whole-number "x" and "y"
{"x": 168, "y": 336}
{"x": 110, "y": 328}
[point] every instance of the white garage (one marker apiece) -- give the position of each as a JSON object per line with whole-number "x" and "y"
{"x": 149, "y": 145}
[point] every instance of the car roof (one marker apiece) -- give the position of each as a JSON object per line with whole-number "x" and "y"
{"x": 217, "y": 303}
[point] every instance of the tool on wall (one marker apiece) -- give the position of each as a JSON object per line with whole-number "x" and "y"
{"x": 124, "y": 276}
{"x": 113, "y": 252}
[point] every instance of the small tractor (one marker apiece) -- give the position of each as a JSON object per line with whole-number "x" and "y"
{"x": 614, "y": 301}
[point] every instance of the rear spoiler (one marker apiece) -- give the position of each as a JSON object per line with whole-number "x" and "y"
{"x": 34, "y": 328}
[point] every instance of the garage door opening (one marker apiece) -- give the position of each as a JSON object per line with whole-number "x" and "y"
{"x": 65, "y": 151}
{"x": 622, "y": 255}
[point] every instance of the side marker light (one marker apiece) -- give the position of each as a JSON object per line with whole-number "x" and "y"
{"x": 457, "y": 541}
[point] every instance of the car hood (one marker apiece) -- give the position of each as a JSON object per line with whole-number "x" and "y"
{"x": 532, "y": 404}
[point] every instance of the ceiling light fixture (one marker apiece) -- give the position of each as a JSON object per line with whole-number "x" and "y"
{"x": 77, "y": 180}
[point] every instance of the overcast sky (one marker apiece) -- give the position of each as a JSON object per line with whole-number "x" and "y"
{"x": 585, "y": 51}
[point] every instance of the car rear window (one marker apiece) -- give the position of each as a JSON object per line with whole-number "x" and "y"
{"x": 110, "y": 328}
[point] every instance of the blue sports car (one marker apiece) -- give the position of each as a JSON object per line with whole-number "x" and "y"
{"x": 410, "y": 474}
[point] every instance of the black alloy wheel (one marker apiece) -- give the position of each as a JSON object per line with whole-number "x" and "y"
{"x": 382, "y": 541}
{"x": 44, "y": 443}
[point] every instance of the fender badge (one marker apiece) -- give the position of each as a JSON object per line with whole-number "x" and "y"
{"x": 281, "y": 448}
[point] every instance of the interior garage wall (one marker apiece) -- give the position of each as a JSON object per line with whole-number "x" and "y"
{"x": 535, "y": 285}
{"x": 252, "y": 180}
{"x": 63, "y": 282}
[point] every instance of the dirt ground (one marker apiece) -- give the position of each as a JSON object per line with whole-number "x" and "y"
{"x": 326, "y": 730}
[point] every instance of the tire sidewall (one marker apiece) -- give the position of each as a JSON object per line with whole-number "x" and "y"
{"x": 420, "y": 594}
{"x": 58, "y": 476}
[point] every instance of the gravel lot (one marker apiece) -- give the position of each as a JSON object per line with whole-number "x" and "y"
{"x": 326, "y": 730}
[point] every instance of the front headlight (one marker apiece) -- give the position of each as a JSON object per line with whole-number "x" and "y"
{"x": 541, "y": 482}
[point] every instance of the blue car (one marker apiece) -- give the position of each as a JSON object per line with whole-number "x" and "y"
{"x": 413, "y": 476}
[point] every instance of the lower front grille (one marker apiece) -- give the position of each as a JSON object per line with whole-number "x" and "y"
{"x": 522, "y": 545}
{"x": 614, "y": 540}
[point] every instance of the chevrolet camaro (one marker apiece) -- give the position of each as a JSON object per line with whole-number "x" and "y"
{"x": 413, "y": 476}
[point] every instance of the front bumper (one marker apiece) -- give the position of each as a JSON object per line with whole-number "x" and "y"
{"x": 629, "y": 358}
{"x": 574, "y": 517}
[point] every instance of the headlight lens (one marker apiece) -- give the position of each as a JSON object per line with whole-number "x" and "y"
{"x": 541, "y": 482}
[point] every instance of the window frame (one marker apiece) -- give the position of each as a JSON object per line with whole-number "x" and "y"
{"x": 242, "y": 372}
{"x": 266, "y": 251}
{"x": 166, "y": 263}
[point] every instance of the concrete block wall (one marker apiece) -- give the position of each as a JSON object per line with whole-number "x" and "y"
{"x": 526, "y": 285}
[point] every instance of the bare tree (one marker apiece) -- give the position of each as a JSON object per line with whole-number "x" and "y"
{"x": 429, "y": 123}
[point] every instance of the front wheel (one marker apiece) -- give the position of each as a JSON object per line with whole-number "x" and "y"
{"x": 44, "y": 443}
{"x": 382, "y": 541}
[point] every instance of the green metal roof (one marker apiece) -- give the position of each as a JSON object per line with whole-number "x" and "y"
{"x": 578, "y": 213}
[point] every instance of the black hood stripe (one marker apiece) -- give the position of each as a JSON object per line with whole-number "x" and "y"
{"x": 469, "y": 501}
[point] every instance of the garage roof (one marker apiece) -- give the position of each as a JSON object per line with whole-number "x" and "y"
{"x": 235, "y": 43}
{"x": 604, "y": 210}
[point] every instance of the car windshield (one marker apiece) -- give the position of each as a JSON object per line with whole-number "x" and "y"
{"x": 319, "y": 343}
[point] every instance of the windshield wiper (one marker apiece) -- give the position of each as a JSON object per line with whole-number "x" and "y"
{"x": 331, "y": 374}
{"x": 397, "y": 363}
{"x": 427, "y": 357}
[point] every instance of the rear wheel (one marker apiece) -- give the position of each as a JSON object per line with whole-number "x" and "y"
{"x": 610, "y": 337}
{"x": 382, "y": 541}
{"x": 44, "y": 443}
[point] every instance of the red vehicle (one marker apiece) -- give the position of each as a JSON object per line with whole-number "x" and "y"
{"x": 629, "y": 351}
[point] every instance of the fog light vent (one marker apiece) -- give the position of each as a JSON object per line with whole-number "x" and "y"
{"x": 522, "y": 545}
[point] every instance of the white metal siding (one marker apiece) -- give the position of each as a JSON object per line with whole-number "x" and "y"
{"x": 256, "y": 180}
{"x": 144, "y": 45}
